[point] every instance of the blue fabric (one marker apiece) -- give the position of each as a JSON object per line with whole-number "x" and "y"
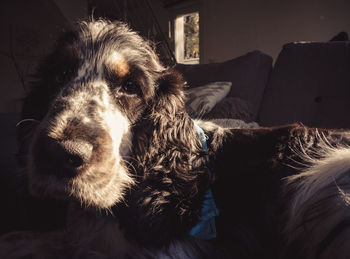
{"x": 205, "y": 229}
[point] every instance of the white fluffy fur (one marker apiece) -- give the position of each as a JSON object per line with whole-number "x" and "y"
{"x": 320, "y": 202}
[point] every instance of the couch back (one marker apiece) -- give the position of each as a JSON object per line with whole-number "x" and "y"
{"x": 248, "y": 74}
{"x": 310, "y": 83}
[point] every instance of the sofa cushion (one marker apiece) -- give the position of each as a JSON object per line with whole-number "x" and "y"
{"x": 310, "y": 83}
{"x": 248, "y": 75}
{"x": 201, "y": 100}
{"x": 231, "y": 108}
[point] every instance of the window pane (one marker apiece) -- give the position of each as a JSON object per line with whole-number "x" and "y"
{"x": 191, "y": 35}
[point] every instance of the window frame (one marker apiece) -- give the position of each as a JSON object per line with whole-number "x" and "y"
{"x": 180, "y": 10}
{"x": 179, "y": 39}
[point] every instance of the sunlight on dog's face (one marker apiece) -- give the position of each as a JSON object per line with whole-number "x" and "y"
{"x": 81, "y": 146}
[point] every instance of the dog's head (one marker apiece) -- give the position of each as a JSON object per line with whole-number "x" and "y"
{"x": 99, "y": 81}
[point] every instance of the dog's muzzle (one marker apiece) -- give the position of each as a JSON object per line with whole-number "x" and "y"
{"x": 77, "y": 151}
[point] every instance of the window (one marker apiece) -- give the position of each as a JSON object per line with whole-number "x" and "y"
{"x": 187, "y": 38}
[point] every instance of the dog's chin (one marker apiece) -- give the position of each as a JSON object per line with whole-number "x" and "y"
{"x": 90, "y": 191}
{"x": 48, "y": 187}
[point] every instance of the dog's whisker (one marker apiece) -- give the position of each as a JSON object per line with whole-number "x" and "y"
{"x": 133, "y": 172}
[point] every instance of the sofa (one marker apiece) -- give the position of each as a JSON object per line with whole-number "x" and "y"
{"x": 308, "y": 83}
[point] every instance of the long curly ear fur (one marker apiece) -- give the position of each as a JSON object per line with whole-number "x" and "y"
{"x": 171, "y": 166}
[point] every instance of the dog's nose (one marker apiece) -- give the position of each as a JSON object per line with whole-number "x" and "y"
{"x": 75, "y": 152}
{"x": 64, "y": 158}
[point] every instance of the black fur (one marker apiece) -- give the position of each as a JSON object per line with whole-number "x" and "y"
{"x": 166, "y": 159}
{"x": 172, "y": 181}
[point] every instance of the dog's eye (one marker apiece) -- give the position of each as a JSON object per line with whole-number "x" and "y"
{"x": 130, "y": 87}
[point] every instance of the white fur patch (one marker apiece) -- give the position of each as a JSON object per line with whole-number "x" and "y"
{"x": 115, "y": 57}
{"x": 323, "y": 172}
{"x": 319, "y": 204}
{"x": 96, "y": 28}
{"x": 324, "y": 166}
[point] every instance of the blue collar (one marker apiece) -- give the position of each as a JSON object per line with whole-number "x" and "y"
{"x": 205, "y": 228}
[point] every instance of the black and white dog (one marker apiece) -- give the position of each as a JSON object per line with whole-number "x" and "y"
{"x": 107, "y": 131}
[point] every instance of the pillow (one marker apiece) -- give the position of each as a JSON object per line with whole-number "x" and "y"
{"x": 248, "y": 74}
{"x": 232, "y": 108}
{"x": 202, "y": 99}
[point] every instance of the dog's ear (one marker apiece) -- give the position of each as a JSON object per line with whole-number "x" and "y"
{"x": 169, "y": 97}
{"x": 168, "y": 155}
{"x": 171, "y": 82}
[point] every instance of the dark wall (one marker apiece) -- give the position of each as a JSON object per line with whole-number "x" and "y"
{"x": 29, "y": 30}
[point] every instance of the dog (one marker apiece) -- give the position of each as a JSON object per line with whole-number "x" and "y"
{"x": 105, "y": 129}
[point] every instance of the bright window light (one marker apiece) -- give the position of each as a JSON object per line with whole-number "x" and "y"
{"x": 187, "y": 38}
